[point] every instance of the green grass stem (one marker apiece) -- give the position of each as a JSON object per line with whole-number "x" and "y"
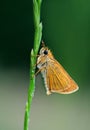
{"x": 33, "y": 56}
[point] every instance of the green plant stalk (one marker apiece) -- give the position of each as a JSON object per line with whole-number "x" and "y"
{"x": 34, "y": 52}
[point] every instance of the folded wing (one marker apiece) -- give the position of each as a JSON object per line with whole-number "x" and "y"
{"x": 58, "y": 80}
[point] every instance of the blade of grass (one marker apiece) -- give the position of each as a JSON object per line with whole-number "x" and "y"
{"x": 34, "y": 52}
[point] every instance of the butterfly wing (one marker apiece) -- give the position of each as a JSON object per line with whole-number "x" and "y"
{"x": 58, "y": 80}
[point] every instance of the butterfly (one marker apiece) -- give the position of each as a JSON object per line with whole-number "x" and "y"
{"x": 55, "y": 76}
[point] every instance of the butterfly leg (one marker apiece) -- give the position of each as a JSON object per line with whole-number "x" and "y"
{"x": 38, "y": 71}
{"x": 43, "y": 68}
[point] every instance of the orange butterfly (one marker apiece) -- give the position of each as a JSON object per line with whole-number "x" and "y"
{"x": 55, "y": 77}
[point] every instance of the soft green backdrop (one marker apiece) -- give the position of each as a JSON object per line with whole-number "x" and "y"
{"x": 66, "y": 29}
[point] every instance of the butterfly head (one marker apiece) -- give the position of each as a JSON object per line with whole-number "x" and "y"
{"x": 44, "y": 55}
{"x": 44, "y": 51}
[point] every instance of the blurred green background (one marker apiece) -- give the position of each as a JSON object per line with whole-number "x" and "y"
{"x": 66, "y": 29}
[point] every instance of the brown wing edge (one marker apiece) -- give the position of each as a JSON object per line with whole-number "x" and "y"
{"x": 67, "y": 91}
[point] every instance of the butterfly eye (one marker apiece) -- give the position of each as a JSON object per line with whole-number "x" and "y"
{"x": 46, "y": 52}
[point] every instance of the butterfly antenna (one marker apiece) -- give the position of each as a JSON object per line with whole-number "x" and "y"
{"x": 43, "y": 44}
